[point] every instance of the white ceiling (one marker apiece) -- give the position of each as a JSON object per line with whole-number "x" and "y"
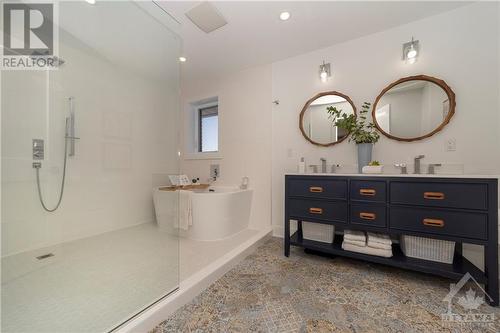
{"x": 124, "y": 34}
{"x": 255, "y": 35}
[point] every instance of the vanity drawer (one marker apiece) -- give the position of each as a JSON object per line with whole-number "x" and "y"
{"x": 440, "y": 222}
{"x": 367, "y": 190}
{"x": 318, "y": 188}
{"x": 453, "y": 195}
{"x": 372, "y": 215}
{"x": 321, "y": 210}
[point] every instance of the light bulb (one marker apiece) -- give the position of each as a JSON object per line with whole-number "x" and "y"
{"x": 323, "y": 75}
{"x": 412, "y": 53}
{"x": 182, "y": 59}
{"x": 92, "y": 2}
{"x": 284, "y": 16}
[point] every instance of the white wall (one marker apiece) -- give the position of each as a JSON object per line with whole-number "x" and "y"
{"x": 128, "y": 128}
{"x": 460, "y": 47}
{"x": 244, "y": 135}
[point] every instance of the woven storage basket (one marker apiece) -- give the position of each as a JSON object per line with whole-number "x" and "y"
{"x": 428, "y": 248}
{"x": 318, "y": 232}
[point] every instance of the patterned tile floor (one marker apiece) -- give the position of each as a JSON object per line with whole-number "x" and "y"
{"x": 268, "y": 292}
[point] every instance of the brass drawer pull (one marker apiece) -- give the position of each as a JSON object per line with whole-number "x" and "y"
{"x": 434, "y": 195}
{"x": 367, "y": 216}
{"x": 314, "y": 210}
{"x": 370, "y": 192}
{"x": 316, "y": 189}
{"x": 433, "y": 223}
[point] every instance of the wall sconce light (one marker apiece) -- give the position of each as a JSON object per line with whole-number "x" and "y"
{"x": 324, "y": 71}
{"x": 411, "y": 51}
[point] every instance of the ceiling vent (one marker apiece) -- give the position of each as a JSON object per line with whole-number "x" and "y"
{"x": 206, "y": 17}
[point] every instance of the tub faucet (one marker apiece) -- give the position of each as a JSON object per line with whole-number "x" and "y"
{"x": 323, "y": 165}
{"x": 417, "y": 163}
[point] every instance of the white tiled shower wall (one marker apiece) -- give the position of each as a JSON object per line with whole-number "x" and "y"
{"x": 127, "y": 125}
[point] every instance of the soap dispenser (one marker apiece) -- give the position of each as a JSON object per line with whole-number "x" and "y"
{"x": 302, "y": 166}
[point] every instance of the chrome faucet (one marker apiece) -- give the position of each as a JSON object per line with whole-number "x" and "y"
{"x": 323, "y": 165}
{"x": 334, "y": 167}
{"x": 432, "y": 167}
{"x": 417, "y": 163}
{"x": 403, "y": 168}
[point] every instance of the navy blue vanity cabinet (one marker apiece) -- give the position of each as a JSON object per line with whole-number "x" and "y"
{"x": 463, "y": 210}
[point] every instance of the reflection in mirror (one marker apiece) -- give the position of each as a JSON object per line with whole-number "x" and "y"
{"x": 315, "y": 123}
{"x": 414, "y": 108}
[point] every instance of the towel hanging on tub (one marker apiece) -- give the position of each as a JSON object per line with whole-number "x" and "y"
{"x": 185, "y": 209}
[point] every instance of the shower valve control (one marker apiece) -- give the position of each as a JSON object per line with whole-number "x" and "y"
{"x": 38, "y": 149}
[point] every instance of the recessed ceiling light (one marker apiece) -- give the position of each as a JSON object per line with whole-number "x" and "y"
{"x": 182, "y": 59}
{"x": 92, "y": 2}
{"x": 284, "y": 16}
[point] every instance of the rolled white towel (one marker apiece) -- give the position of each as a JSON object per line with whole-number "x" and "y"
{"x": 354, "y": 235}
{"x": 367, "y": 250}
{"x": 378, "y": 238}
{"x": 355, "y": 242}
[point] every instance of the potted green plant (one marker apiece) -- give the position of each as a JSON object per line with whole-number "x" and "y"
{"x": 361, "y": 131}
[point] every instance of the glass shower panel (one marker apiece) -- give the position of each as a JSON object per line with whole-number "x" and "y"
{"x": 101, "y": 257}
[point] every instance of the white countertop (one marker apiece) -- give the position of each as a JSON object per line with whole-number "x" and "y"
{"x": 395, "y": 175}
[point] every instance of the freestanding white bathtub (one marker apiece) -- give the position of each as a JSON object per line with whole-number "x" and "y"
{"x": 218, "y": 213}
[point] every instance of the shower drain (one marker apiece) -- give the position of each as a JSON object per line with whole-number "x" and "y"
{"x": 45, "y": 256}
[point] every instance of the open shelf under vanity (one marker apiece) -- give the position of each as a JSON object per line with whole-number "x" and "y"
{"x": 467, "y": 209}
{"x": 456, "y": 270}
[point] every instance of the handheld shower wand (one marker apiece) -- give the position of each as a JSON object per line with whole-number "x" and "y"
{"x": 68, "y": 135}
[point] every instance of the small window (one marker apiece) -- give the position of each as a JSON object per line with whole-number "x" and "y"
{"x": 208, "y": 126}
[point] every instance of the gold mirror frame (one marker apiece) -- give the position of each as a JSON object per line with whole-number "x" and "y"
{"x": 308, "y": 103}
{"x": 440, "y": 83}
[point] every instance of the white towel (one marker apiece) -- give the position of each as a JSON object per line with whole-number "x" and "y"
{"x": 379, "y": 246}
{"x": 355, "y": 242}
{"x": 354, "y": 235}
{"x": 185, "y": 209}
{"x": 367, "y": 250}
{"x": 379, "y": 238}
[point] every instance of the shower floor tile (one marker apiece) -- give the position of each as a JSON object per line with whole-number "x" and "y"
{"x": 96, "y": 283}
{"x": 268, "y": 292}
{"x": 88, "y": 285}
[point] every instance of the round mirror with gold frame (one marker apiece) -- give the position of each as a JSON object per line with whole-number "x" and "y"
{"x": 414, "y": 108}
{"x": 315, "y": 123}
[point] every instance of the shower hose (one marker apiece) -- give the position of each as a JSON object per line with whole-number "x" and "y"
{"x": 37, "y": 168}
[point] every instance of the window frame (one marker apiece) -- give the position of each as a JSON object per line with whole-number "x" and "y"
{"x": 191, "y": 131}
{"x": 199, "y": 120}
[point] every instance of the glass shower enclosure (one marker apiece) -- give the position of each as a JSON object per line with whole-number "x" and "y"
{"x": 99, "y": 132}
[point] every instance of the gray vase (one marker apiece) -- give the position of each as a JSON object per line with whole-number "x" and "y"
{"x": 364, "y": 155}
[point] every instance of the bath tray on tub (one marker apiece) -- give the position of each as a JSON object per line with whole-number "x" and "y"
{"x": 185, "y": 187}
